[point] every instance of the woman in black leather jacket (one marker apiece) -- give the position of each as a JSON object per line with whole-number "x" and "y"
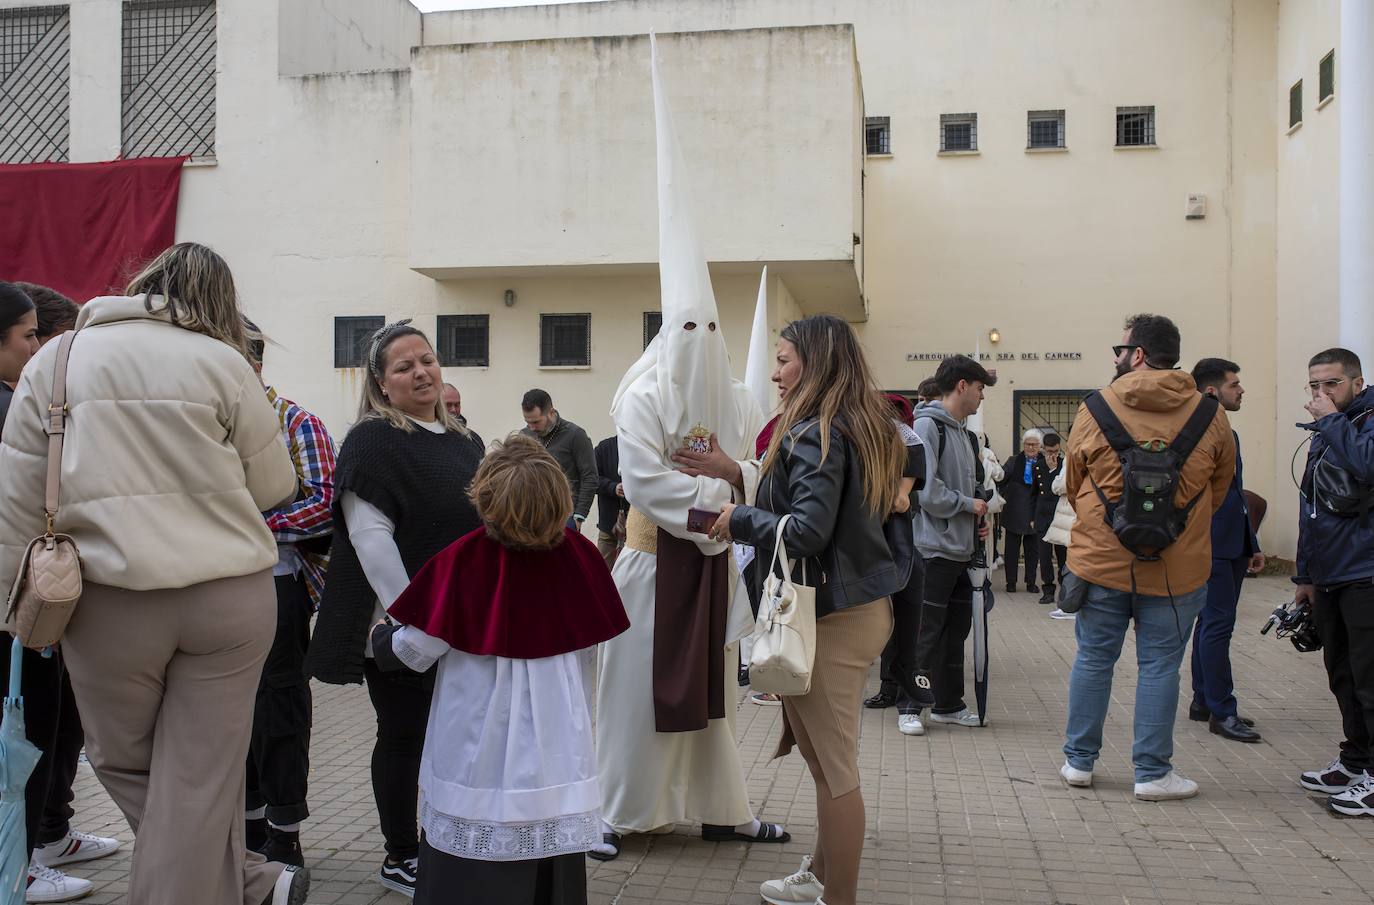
{"x": 836, "y": 470}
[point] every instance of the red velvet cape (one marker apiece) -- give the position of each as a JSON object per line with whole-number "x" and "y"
{"x": 490, "y": 600}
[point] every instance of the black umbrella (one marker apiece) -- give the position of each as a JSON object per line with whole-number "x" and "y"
{"x": 982, "y": 602}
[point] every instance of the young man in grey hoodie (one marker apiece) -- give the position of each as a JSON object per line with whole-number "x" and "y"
{"x": 948, "y": 524}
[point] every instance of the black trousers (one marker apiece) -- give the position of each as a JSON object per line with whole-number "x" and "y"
{"x": 401, "y": 700}
{"x": 1345, "y": 618}
{"x": 279, "y": 755}
{"x": 52, "y": 723}
{"x": 946, "y": 620}
{"x": 1050, "y": 554}
{"x": 1011, "y": 557}
{"x": 900, "y": 652}
{"x": 446, "y": 879}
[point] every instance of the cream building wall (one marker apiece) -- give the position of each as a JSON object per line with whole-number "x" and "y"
{"x": 313, "y": 192}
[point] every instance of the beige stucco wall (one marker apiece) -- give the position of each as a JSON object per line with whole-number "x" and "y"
{"x": 318, "y": 36}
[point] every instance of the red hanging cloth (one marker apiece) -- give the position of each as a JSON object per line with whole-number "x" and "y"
{"x": 85, "y": 228}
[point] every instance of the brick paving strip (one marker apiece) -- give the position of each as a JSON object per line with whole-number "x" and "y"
{"x": 959, "y": 815}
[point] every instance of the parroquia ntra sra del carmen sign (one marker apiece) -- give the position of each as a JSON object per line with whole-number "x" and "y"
{"x": 998, "y": 356}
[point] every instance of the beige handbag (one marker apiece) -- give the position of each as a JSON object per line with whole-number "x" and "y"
{"x": 785, "y": 634}
{"x": 49, "y": 582}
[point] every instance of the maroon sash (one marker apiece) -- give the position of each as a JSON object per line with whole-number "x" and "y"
{"x": 691, "y": 600}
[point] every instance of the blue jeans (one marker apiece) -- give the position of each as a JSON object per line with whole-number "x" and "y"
{"x": 1161, "y": 636}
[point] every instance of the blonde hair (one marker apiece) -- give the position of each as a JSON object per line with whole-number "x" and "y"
{"x": 837, "y": 387}
{"x": 374, "y": 404}
{"x": 522, "y": 495}
{"x": 196, "y": 290}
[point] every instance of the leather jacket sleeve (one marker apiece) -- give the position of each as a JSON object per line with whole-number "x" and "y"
{"x": 813, "y": 498}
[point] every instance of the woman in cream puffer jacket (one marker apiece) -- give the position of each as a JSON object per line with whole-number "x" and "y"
{"x": 172, "y": 453}
{"x": 1062, "y": 526}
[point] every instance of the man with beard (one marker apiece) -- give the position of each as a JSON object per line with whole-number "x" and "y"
{"x": 1149, "y": 407}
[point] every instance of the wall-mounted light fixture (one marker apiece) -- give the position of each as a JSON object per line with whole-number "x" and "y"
{"x": 994, "y": 336}
{"x": 510, "y": 298}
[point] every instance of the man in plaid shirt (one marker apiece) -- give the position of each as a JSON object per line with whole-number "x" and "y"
{"x": 279, "y": 758}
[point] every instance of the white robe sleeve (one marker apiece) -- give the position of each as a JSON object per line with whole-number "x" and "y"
{"x": 373, "y": 536}
{"x": 415, "y": 649}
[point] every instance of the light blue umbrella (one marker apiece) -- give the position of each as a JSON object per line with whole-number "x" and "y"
{"x": 18, "y": 757}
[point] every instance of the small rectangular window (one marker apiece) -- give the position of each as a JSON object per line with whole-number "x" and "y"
{"x": 351, "y": 337}
{"x": 1135, "y": 127}
{"x": 1295, "y": 104}
{"x": 565, "y": 340}
{"x": 878, "y": 134}
{"x": 1045, "y": 129}
{"x": 464, "y": 340}
{"x": 958, "y": 131}
{"x": 653, "y": 322}
{"x": 1326, "y": 76}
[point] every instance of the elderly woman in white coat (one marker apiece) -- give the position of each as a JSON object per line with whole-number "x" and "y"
{"x": 172, "y": 453}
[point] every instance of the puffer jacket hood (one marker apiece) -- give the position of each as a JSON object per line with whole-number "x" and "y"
{"x": 1334, "y": 549}
{"x": 1155, "y": 391}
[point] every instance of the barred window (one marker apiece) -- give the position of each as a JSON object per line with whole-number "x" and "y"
{"x": 169, "y": 78}
{"x": 1135, "y": 126}
{"x": 565, "y": 340}
{"x": 1326, "y": 76}
{"x": 1045, "y": 129}
{"x": 1295, "y": 104}
{"x": 351, "y": 337}
{"x": 958, "y": 131}
{"x": 878, "y": 134}
{"x": 464, "y": 340}
{"x": 35, "y": 119}
{"x": 653, "y": 322}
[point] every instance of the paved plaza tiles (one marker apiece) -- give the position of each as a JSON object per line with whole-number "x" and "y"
{"x": 958, "y": 816}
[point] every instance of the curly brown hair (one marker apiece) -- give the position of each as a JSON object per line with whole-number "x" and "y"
{"x": 522, "y": 495}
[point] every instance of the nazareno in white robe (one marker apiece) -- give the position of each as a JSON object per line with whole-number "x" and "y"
{"x": 653, "y": 779}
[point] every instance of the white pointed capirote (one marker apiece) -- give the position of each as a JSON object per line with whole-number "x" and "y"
{"x": 688, "y": 358}
{"x": 974, "y": 422}
{"x": 759, "y": 366}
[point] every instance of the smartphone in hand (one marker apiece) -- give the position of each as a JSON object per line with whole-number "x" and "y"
{"x": 699, "y": 521}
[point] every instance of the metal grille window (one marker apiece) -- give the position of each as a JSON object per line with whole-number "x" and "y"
{"x": 464, "y": 340}
{"x": 35, "y": 121}
{"x": 1045, "y": 129}
{"x": 1326, "y": 76}
{"x": 169, "y": 78}
{"x": 351, "y": 337}
{"x": 565, "y": 340}
{"x": 1135, "y": 126}
{"x": 1049, "y": 410}
{"x": 878, "y": 134}
{"x": 1295, "y": 104}
{"x": 653, "y": 322}
{"x": 958, "y": 131}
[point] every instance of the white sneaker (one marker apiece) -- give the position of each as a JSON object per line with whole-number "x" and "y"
{"x": 964, "y": 717}
{"x": 1169, "y": 787}
{"x": 1333, "y": 780}
{"x": 910, "y": 724}
{"x": 1057, "y": 613}
{"x": 48, "y": 885}
{"x": 76, "y": 847}
{"x": 1075, "y": 777}
{"x": 291, "y": 887}
{"x": 802, "y": 888}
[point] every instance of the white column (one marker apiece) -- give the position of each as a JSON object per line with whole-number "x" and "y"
{"x": 1355, "y": 95}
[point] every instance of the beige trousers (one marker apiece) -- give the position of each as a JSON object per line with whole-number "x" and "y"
{"x": 166, "y": 682}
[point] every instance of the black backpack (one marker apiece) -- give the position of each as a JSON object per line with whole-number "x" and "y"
{"x": 1146, "y": 519}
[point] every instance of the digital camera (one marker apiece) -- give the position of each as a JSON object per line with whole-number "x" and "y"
{"x": 1293, "y": 621}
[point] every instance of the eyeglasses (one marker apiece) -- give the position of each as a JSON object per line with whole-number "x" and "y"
{"x": 1117, "y": 350}
{"x": 1315, "y": 385}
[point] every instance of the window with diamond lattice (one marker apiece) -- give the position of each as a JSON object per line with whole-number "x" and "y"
{"x": 169, "y": 78}
{"x": 1048, "y": 410}
{"x": 351, "y": 338}
{"x": 35, "y": 121}
{"x": 653, "y": 322}
{"x": 565, "y": 340}
{"x": 464, "y": 340}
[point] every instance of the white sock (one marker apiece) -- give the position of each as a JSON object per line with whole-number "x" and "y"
{"x": 752, "y": 828}
{"x": 256, "y": 814}
{"x": 285, "y": 828}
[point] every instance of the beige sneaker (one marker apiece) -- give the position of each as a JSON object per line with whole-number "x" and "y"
{"x": 802, "y": 888}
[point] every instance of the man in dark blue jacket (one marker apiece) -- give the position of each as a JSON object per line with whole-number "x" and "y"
{"x": 1336, "y": 566}
{"x": 1235, "y": 551}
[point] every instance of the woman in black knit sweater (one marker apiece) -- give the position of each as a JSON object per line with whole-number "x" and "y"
{"x": 401, "y": 491}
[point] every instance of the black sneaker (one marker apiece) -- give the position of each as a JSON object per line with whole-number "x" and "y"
{"x": 255, "y": 834}
{"x": 1332, "y": 780}
{"x": 399, "y": 876}
{"x": 1032, "y": 589}
{"x": 1048, "y": 596}
{"x": 284, "y": 847}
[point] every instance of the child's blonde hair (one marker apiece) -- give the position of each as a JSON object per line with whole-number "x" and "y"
{"x": 522, "y": 495}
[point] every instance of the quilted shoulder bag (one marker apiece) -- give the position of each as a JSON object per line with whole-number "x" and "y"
{"x": 49, "y": 582}
{"x": 785, "y": 634}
